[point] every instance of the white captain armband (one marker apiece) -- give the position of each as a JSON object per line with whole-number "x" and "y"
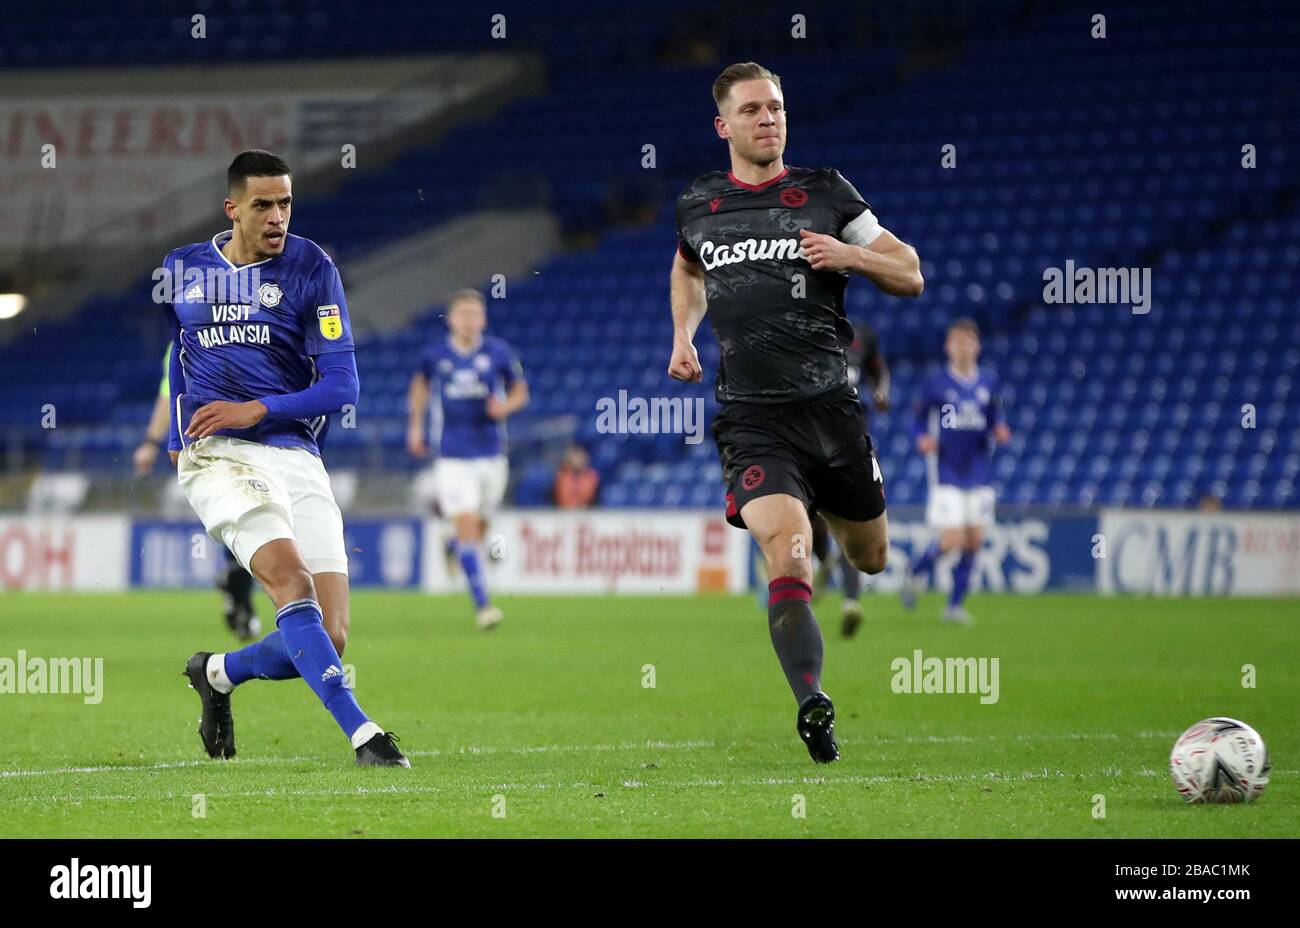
{"x": 863, "y": 230}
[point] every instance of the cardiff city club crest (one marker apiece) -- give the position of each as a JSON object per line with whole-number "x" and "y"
{"x": 331, "y": 321}
{"x": 270, "y": 295}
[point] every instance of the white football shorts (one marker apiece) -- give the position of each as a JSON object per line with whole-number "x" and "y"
{"x": 955, "y": 507}
{"x": 470, "y": 485}
{"x": 247, "y": 493}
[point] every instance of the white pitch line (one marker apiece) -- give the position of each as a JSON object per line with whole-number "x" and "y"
{"x": 987, "y": 776}
{"x": 466, "y": 749}
{"x": 164, "y": 765}
{"x": 596, "y": 748}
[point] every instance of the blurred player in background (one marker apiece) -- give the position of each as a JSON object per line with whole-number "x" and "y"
{"x": 767, "y": 251}
{"x": 479, "y": 383}
{"x": 867, "y": 368}
{"x": 958, "y": 418}
{"x": 235, "y": 583}
{"x": 254, "y": 374}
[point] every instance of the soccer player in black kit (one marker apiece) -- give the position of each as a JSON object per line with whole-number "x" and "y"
{"x": 767, "y": 251}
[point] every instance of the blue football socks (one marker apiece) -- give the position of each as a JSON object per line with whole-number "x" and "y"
{"x": 309, "y": 648}
{"x": 961, "y": 578}
{"x": 473, "y": 566}
{"x": 265, "y": 659}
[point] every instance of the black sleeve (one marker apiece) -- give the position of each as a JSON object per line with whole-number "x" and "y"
{"x": 684, "y": 247}
{"x": 846, "y": 199}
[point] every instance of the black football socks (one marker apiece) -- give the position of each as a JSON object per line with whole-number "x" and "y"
{"x": 795, "y": 635}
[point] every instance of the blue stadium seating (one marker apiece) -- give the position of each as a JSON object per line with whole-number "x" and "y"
{"x": 1110, "y": 153}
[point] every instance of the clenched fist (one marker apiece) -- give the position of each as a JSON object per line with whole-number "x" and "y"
{"x": 685, "y": 363}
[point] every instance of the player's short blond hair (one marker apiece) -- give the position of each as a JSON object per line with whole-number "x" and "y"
{"x": 733, "y": 74}
{"x": 468, "y": 295}
{"x": 964, "y": 324}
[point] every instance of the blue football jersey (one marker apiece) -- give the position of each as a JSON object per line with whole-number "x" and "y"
{"x": 253, "y": 331}
{"x": 961, "y": 414}
{"x": 461, "y": 382}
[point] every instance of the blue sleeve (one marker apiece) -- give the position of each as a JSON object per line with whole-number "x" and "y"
{"x": 428, "y": 365}
{"x": 337, "y": 387}
{"x": 175, "y": 377}
{"x": 328, "y": 327}
{"x": 511, "y": 369}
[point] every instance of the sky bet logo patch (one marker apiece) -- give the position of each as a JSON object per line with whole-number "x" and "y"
{"x": 331, "y": 322}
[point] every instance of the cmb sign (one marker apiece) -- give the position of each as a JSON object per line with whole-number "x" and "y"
{"x": 1199, "y": 554}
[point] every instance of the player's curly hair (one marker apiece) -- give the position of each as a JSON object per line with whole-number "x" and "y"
{"x": 254, "y": 163}
{"x": 740, "y": 71}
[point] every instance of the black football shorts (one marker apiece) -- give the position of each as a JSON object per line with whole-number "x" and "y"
{"x": 815, "y": 450}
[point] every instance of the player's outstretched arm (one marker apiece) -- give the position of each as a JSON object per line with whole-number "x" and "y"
{"x": 337, "y": 388}
{"x": 517, "y": 396}
{"x": 889, "y": 263}
{"x": 920, "y": 425}
{"x": 689, "y": 304}
{"x": 154, "y": 435}
{"x": 1001, "y": 431}
{"x": 878, "y": 377}
{"x": 417, "y": 401}
{"x": 175, "y": 385}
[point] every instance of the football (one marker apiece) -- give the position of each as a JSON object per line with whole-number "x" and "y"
{"x": 1219, "y": 760}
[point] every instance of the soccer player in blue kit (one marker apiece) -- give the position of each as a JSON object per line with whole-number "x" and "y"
{"x": 479, "y": 382}
{"x": 257, "y": 364}
{"x": 958, "y": 418}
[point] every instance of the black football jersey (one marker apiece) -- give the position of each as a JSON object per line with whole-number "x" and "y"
{"x": 780, "y": 325}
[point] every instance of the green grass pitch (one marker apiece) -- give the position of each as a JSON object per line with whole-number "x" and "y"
{"x": 544, "y": 727}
